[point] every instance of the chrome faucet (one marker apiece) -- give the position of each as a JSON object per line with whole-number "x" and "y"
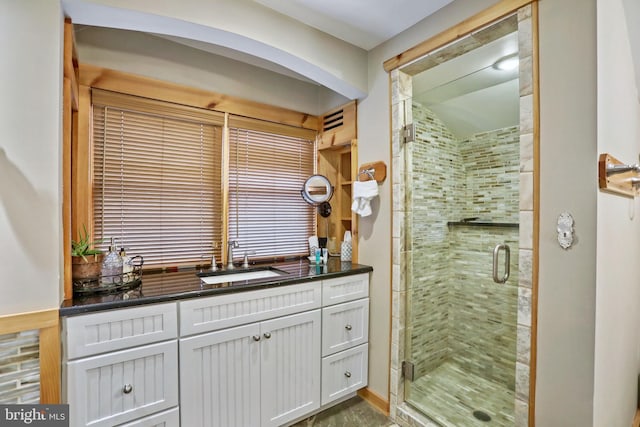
{"x": 245, "y": 263}
{"x": 231, "y": 244}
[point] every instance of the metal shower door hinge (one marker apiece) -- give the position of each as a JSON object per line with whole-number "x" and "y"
{"x": 409, "y": 133}
{"x": 407, "y": 370}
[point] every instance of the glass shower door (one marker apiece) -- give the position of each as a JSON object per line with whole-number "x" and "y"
{"x": 462, "y": 185}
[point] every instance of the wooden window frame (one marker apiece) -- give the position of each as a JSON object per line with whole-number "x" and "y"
{"x": 273, "y": 118}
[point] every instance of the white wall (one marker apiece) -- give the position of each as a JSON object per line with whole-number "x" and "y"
{"x": 568, "y": 182}
{"x": 151, "y": 56}
{"x": 30, "y": 155}
{"x": 617, "y": 343}
{"x": 243, "y": 25}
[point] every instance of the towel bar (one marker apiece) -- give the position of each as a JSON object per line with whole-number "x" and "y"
{"x": 373, "y": 171}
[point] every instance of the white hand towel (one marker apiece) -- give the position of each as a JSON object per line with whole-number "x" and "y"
{"x": 363, "y": 192}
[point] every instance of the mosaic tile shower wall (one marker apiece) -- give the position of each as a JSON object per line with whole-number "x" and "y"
{"x": 492, "y": 167}
{"x": 20, "y": 368}
{"x": 438, "y": 181}
{"x": 457, "y": 311}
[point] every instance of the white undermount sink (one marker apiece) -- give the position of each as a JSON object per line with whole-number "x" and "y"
{"x": 236, "y": 276}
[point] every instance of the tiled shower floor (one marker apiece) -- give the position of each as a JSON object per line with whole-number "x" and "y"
{"x": 449, "y": 395}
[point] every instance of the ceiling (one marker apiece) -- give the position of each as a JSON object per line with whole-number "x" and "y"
{"x": 363, "y": 23}
{"x": 468, "y": 94}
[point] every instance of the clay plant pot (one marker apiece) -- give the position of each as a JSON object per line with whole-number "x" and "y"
{"x": 89, "y": 269}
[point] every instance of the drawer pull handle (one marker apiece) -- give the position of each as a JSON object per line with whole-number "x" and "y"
{"x": 348, "y": 327}
{"x": 267, "y": 335}
{"x": 256, "y": 337}
{"x": 128, "y": 388}
{"x": 347, "y": 374}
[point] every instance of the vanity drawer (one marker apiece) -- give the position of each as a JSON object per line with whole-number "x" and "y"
{"x": 343, "y": 289}
{"x": 344, "y": 372}
{"x": 114, "y": 388}
{"x": 170, "y": 418}
{"x": 222, "y": 311}
{"x": 96, "y": 333}
{"x": 344, "y": 326}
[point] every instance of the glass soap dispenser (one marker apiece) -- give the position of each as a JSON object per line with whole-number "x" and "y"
{"x": 112, "y": 266}
{"x": 127, "y": 266}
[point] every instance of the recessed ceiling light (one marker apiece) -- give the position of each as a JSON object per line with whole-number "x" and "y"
{"x": 507, "y": 63}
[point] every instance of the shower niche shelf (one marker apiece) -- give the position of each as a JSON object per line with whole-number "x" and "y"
{"x": 482, "y": 224}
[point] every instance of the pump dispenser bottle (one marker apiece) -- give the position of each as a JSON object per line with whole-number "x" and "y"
{"x": 127, "y": 266}
{"x": 112, "y": 266}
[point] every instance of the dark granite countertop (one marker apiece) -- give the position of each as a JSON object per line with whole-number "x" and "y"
{"x": 183, "y": 284}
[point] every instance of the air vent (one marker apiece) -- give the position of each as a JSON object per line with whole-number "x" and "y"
{"x": 337, "y": 128}
{"x": 333, "y": 120}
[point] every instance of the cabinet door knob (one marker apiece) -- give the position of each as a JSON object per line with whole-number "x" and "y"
{"x": 348, "y": 327}
{"x": 267, "y": 335}
{"x": 256, "y": 337}
{"x": 128, "y": 388}
{"x": 347, "y": 374}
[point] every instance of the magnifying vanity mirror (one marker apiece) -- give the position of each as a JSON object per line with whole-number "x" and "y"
{"x": 317, "y": 190}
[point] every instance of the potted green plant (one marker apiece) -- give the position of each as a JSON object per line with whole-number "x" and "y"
{"x": 86, "y": 260}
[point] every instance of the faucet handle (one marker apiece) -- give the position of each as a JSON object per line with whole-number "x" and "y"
{"x": 245, "y": 263}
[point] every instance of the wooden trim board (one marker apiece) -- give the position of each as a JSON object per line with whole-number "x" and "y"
{"x": 375, "y": 400}
{"x": 481, "y": 19}
{"x": 131, "y": 84}
{"x": 50, "y": 364}
{"x": 28, "y": 321}
{"x": 48, "y": 323}
{"x": 536, "y": 213}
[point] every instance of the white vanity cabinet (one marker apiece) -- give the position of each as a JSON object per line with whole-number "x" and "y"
{"x": 260, "y": 358}
{"x": 121, "y": 365}
{"x": 261, "y": 374}
{"x": 345, "y": 334}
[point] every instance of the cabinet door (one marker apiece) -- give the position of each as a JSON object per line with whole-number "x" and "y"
{"x": 344, "y": 373}
{"x": 220, "y": 378}
{"x": 170, "y": 418}
{"x": 117, "y": 387}
{"x": 345, "y": 326}
{"x": 290, "y": 370}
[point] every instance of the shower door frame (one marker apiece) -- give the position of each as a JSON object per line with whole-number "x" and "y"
{"x": 401, "y": 92}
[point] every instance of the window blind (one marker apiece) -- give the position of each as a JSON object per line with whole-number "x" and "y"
{"x": 157, "y": 178}
{"x": 266, "y": 172}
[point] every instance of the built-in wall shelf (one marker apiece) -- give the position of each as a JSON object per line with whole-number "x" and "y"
{"x": 338, "y": 161}
{"x": 482, "y": 224}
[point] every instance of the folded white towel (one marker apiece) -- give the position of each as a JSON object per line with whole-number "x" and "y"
{"x": 362, "y": 193}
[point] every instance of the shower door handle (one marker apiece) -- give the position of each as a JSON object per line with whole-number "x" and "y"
{"x": 507, "y": 259}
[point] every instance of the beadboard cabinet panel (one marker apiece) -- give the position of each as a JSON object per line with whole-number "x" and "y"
{"x": 170, "y": 418}
{"x": 344, "y": 326}
{"x": 344, "y": 373}
{"x": 343, "y": 289}
{"x": 220, "y": 378}
{"x": 114, "y": 388}
{"x": 208, "y": 314}
{"x": 290, "y": 370}
{"x": 112, "y": 330}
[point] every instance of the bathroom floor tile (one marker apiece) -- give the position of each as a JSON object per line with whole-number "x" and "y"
{"x": 354, "y": 412}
